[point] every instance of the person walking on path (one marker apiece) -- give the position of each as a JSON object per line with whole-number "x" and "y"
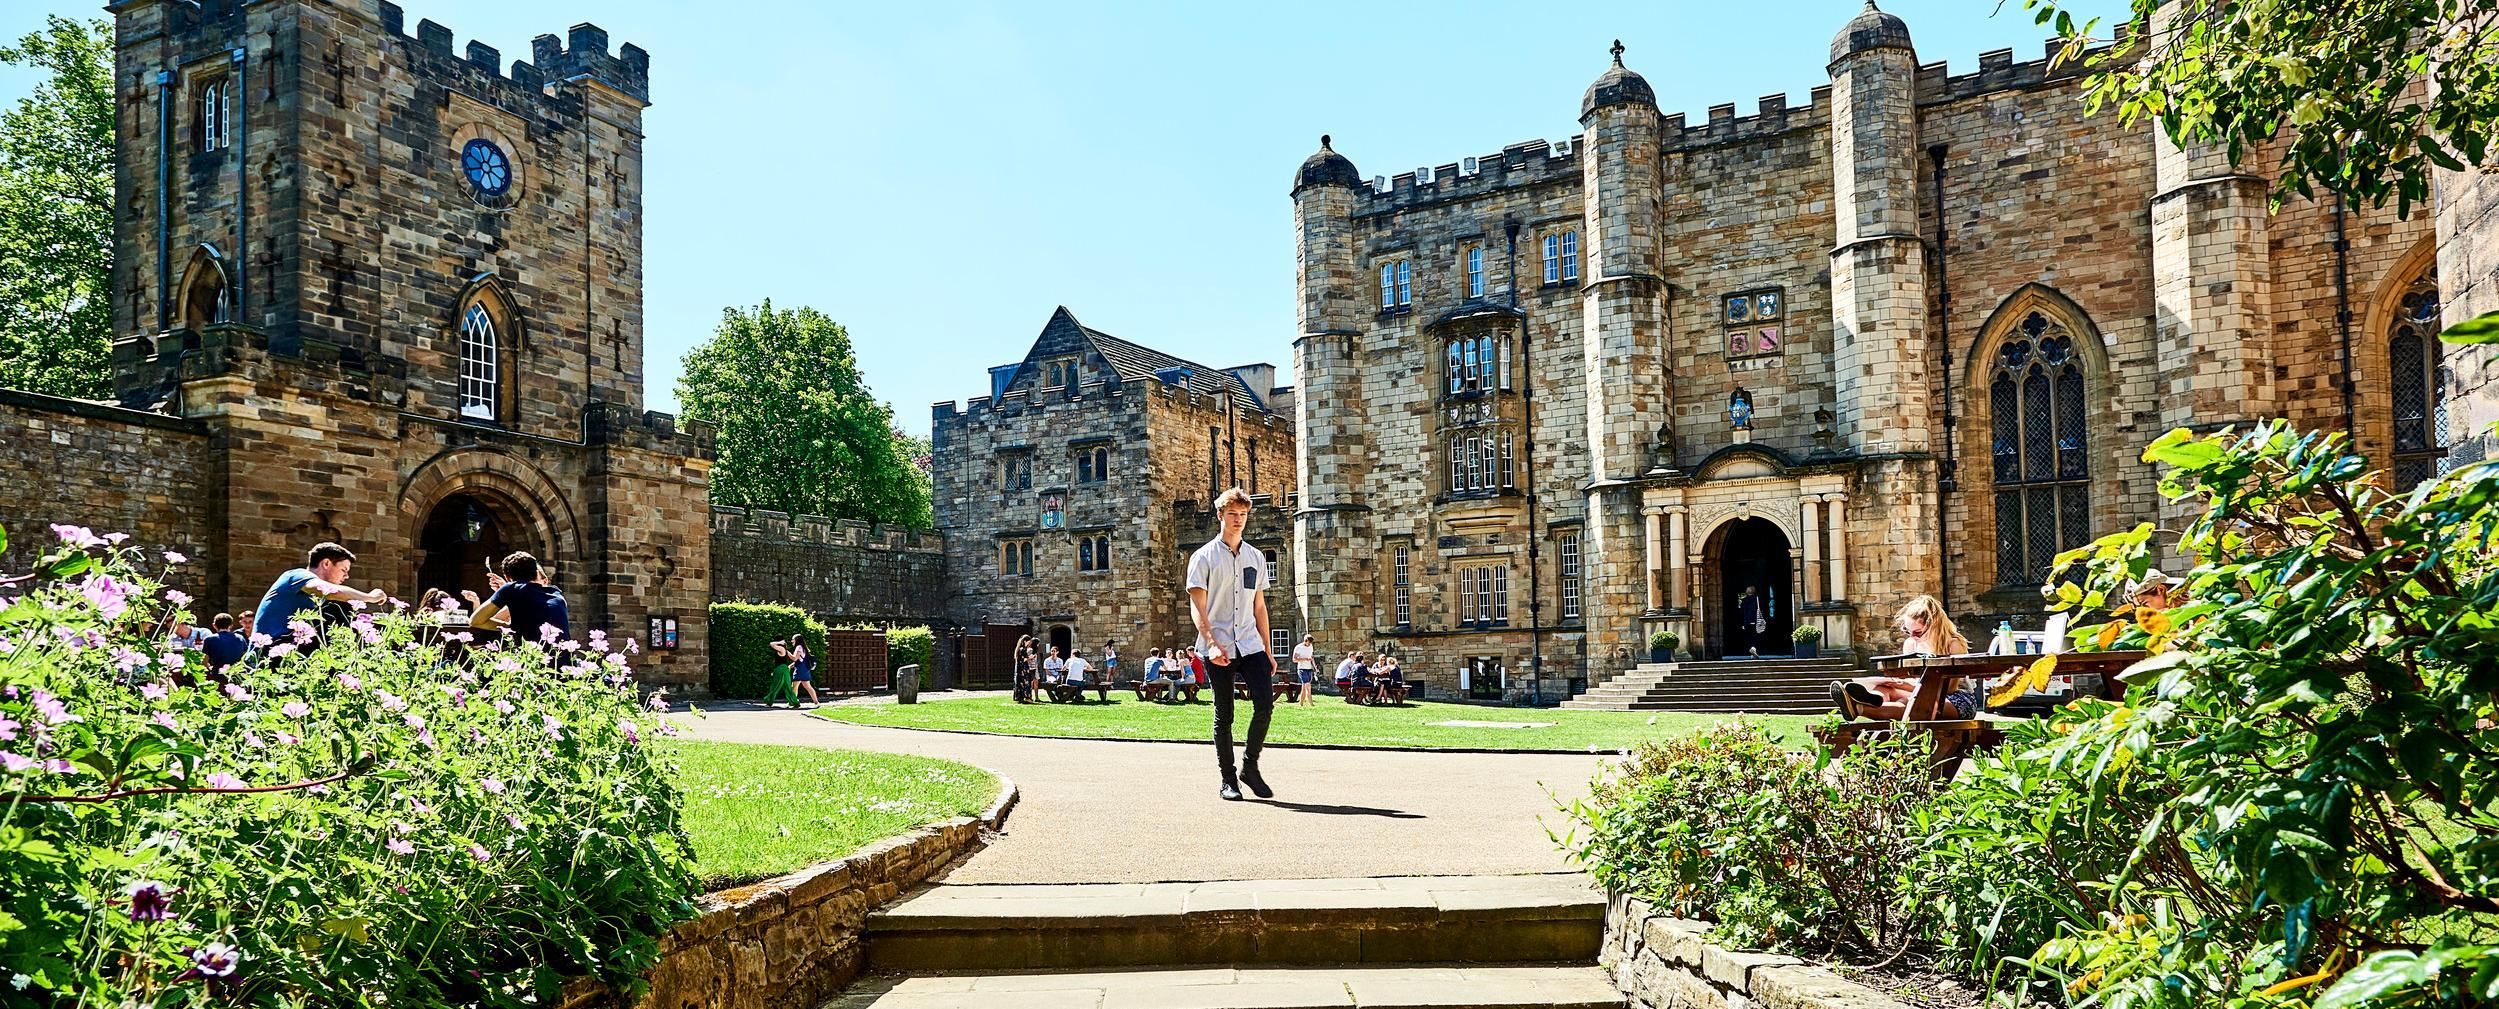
{"x": 802, "y": 667}
{"x": 1228, "y": 600}
{"x": 1753, "y": 616}
{"x": 1306, "y": 668}
{"x": 322, "y": 579}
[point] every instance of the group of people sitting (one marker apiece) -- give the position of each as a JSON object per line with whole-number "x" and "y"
{"x": 1926, "y": 630}
{"x": 1368, "y": 678}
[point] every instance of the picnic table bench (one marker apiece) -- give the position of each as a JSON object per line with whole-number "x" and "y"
{"x": 1938, "y": 675}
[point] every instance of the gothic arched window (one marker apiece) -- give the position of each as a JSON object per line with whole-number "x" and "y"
{"x": 480, "y": 363}
{"x": 2042, "y": 460}
{"x": 2414, "y": 360}
{"x": 207, "y": 293}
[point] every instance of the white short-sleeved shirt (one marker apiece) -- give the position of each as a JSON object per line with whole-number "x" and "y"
{"x": 1077, "y": 668}
{"x": 1303, "y": 657}
{"x": 1233, "y": 580}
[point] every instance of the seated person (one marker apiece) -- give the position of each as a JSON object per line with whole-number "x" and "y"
{"x": 1393, "y": 679}
{"x": 1054, "y": 673}
{"x": 1081, "y": 674}
{"x": 1924, "y": 630}
{"x": 1151, "y": 686}
{"x": 1345, "y": 669}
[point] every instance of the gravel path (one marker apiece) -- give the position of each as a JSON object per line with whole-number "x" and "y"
{"x": 1147, "y": 812}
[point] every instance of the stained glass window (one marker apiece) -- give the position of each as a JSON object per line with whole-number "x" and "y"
{"x": 2039, "y": 448}
{"x": 2418, "y": 373}
{"x": 1753, "y": 321}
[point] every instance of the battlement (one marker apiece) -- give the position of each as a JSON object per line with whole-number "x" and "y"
{"x": 586, "y": 55}
{"x": 1996, "y": 72}
{"x": 1534, "y": 162}
{"x": 622, "y": 424}
{"x": 1772, "y": 115}
{"x": 817, "y": 530}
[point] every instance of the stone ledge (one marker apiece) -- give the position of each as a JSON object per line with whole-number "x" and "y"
{"x": 805, "y": 925}
{"x": 1659, "y": 960}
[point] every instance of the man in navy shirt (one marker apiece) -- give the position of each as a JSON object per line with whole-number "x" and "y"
{"x": 533, "y": 604}
{"x": 225, "y": 647}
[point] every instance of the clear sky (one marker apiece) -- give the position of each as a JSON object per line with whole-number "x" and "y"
{"x": 939, "y": 176}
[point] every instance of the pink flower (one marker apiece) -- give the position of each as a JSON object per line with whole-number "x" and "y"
{"x": 151, "y": 691}
{"x": 286, "y": 738}
{"x": 172, "y": 659}
{"x": 223, "y": 780}
{"x": 390, "y": 701}
{"x": 116, "y": 538}
{"x": 110, "y": 597}
{"x": 178, "y": 597}
{"x": 252, "y": 739}
{"x": 126, "y": 660}
{"x": 658, "y": 701}
{"x": 514, "y": 819}
{"x": 59, "y": 766}
{"x": 77, "y": 536}
{"x": 166, "y": 720}
{"x": 259, "y": 640}
{"x": 14, "y": 763}
{"x": 400, "y": 846}
{"x": 350, "y": 681}
{"x": 426, "y": 736}
{"x": 503, "y": 707}
{"x": 281, "y": 649}
{"x": 8, "y": 728}
{"x": 493, "y": 786}
{"x": 458, "y": 694}
{"x": 238, "y": 692}
{"x": 176, "y": 557}
{"x": 295, "y": 709}
{"x": 633, "y": 733}
{"x": 668, "y": 729}
{"x": 547, "y": 633}
{"x": 462, "y": 637}
{"x": 369, "y": 634}
{"x": 479, "y": 853}
{"x": 50, "y": 711}
{"x": 633, "y": 645}
{"x": 149, "y": 901}
{"x": 414, "y": 720}
{"x": 302, "y": 632}
{"x": 554, "y": 726}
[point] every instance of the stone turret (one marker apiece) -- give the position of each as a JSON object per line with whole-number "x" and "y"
{"x": 1878, "y": 263}
{"x": 1331, "y": 529}
{"x": 1623, "y": 316}
{"x": 2211, "y": 278}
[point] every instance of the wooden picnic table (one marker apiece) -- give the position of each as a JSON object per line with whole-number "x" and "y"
{"x": 1939, "y": 675}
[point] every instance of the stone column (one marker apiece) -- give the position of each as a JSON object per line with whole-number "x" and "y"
{"x": 1655, "y": 534}
{"x": 1836, "y": 513}
{"x": 1679, "y": 559}
{"x": 1808, "y": 515}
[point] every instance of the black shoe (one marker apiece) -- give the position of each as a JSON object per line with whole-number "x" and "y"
{"x": 1257, "y": 785}
{"x": 1230, "y": 792}
{"x": 1839, "y": 699}
{"x": 1862, "y": 694}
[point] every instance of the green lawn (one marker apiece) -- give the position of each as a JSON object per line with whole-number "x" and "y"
{"x": 757, "y": 811}
{"x": 1330, "y": 721}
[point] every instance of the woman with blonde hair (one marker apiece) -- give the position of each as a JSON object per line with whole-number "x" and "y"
{"x": 1924, "y": 630}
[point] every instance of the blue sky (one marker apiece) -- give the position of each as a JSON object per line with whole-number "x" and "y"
{"x": 939, "y": 177}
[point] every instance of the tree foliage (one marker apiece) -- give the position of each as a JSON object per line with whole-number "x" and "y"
{"x": 2366, "y": 97}
{"x": 797, "y": 428}
{"x": 56, "y": 214}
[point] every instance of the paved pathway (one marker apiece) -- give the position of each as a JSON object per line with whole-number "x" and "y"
{"x": 1144, "y": 812}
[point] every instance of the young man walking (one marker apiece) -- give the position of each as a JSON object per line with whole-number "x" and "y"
{"x": 1228, "y": 599}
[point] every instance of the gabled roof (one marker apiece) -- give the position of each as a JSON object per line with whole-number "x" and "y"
{"x": 1135, "y": 362}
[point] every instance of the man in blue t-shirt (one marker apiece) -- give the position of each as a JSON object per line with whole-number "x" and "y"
{"x": 224, "y": 647}
{"x": 323, "y": 578}
{"x": 532, "y": 603}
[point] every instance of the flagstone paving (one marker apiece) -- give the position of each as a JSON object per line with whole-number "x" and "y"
{"x": 1102, "y": 811}
{"x": 1403, "y": 987}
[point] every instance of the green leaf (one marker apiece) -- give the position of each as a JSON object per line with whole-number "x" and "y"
{"x": 2181, "y": 448}
{"x": 2483, "y": 328}
{"x": 2376, "y": 978}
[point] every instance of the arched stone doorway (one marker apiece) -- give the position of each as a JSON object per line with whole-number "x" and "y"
{"x": 463, "y": 537}
{"x": 1750, "y": 552}
{"x": 1063, "y": 638}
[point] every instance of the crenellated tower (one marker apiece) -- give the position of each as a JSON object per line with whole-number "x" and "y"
{"x": 1630, "y": 387}
{"x": 1331, "y": 529}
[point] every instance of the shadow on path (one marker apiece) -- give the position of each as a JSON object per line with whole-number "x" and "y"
{"x": 1333, "y": 810}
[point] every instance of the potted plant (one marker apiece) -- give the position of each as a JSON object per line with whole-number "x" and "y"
{"x": 1662, "y": 645}
{"x": 1808, "y": 640}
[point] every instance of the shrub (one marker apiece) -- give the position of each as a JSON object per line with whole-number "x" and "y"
{"x": 1664, "y": 640}
{"x": 741, "y": 644}
{"x": 1780, "y": 850}
{"x": 905, "y": 646}
{"x": 358, "y": 822}
{"x": 1805, "y": 634}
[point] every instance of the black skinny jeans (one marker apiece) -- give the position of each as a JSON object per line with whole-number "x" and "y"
{"x": 1259, "y": 672}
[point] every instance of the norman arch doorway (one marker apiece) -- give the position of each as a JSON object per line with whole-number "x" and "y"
{"x": 1753, "y": 553}
{"x": 465, "y": 535}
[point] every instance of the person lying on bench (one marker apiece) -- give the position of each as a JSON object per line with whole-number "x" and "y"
{"x": 1924, "y": 630}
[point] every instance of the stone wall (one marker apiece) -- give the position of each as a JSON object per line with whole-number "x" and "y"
{"x": 839, "y": 571}
{"x": 794, "y": 941}
{"x": 151, "y": 476}
{"x": 1662, "y": 962}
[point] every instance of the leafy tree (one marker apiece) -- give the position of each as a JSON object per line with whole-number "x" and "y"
{"x": 2367, "y": 96}
{"x": 797, "y": 428}
{"x": 56, "y": 214}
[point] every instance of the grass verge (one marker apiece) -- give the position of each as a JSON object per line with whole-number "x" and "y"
{"x": 757, "y": 811}
{"x": 1330, "y": 720}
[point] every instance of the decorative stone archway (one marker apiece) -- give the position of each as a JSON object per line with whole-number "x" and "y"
{"x": 530, "y": 511}
{"x": 1799, "y": 502}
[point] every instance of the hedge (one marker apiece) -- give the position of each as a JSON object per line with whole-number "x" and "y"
{"x": 741, "y": 644}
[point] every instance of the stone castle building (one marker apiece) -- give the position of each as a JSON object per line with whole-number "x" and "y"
{"x": 373, "y": 290}
{"x": 1907, "y": 337}
{"x": 1071, "y": 496}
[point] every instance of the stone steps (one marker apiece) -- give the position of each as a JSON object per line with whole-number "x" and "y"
{"x": 1393, "y": 987}
{"x": 1733, "y": 686}
{"x": 1551, "y": 918}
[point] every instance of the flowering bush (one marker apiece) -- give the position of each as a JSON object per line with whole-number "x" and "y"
{"x": 355, "y": 820}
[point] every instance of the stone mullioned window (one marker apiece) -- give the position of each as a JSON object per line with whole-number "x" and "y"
{"x": 2418, "y": 371}
{"x": 2042, "y": 461}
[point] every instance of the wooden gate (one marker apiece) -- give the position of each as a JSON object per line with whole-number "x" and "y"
{"x": 853, "y": 661}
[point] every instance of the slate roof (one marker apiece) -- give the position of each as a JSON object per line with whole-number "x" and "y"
{"x": 1135, "y": 362}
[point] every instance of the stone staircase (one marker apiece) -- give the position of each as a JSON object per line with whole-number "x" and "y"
{"x": 1447, "y": 942}
{"x": 1762, "y": 686}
